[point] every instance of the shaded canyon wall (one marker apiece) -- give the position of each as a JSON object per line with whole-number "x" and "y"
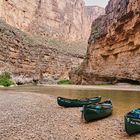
{"x": 113, "y": 53}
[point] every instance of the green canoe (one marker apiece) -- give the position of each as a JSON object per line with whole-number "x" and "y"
{"x": 132, "y": 122}
{"x": 97, "y": 111}
{"x": 77, "y": 102}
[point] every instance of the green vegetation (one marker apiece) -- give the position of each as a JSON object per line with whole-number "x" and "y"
{"x": 64, "y": 82}
{"x": 5, "y": 79}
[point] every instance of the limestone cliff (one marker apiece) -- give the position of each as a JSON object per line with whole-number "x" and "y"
{"x": 37, "y": 55}
{"x": 62, "y": 19}
{"x": 113, "y": 53}
{"x": 93, "y": 12}
{"x": 28, "y": 59}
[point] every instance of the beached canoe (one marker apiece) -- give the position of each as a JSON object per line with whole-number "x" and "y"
{"x": 96, "y": 111}
{"x": 132, "y": 122}
{"x": 77, "y": 102}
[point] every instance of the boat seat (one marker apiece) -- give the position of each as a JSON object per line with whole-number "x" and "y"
{"x": 135, "y": 115}
{"x": 105, "y": 106}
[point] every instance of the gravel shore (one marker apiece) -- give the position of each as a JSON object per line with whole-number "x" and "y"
{"x": 30, "y": 116}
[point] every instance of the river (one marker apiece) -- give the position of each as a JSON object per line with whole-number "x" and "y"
{"x": 123, "y": 101}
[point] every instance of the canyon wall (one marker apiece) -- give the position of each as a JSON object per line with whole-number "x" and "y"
{"x": 65, "y": 19}
{"x": 31, "y": 46}
{"x": 93, "y": 12}
{"x": 113, "y": 53}
{"x": 28, "y": 60}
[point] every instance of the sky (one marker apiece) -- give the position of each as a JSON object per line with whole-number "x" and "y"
{"x": 101, "y": 3}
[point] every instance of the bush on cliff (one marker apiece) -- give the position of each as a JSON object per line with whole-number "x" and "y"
{"x": 5, "y": 79}
{"x": 5, "y": 75}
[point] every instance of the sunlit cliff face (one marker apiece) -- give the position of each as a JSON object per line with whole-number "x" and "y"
{"x": 65, "y": 19}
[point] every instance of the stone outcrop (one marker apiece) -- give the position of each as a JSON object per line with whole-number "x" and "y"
{"x": 61, "y": 19}
{"x": 28, "y": 59}
{"x": 113, "y": 53}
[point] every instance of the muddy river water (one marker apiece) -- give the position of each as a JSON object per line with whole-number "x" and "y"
{"x": 123, "y": 101}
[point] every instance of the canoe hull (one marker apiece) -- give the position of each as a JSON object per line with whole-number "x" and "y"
{"x": 77, "y": 103}
{"x": 91, "y": 113}
{"x": 132, "y": 125}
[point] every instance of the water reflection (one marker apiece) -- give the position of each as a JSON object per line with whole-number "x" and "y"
{"x": 123, "y": 101}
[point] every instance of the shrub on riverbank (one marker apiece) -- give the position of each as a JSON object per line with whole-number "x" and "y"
{"x": 5, "y": 79}
{"x": 64, "y": 82}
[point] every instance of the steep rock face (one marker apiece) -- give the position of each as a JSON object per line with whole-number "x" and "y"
{"x": 65, "y": 19}
{"x": 28, "y": 60}
{"x": 61, "y": 19}
{"x": 18, "y": 13}
{"x": 93, "y": 12}
{"x": 114, "y": 48}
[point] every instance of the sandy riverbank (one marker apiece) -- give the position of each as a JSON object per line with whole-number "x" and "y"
{"x": 92, "y": 87}
{"x": 29, "y": 116}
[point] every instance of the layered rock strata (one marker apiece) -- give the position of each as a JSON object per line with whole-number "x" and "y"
{"x": 113, "y": 53}
{"x": 44, "y": 57}
{"x": 28, "y": 60}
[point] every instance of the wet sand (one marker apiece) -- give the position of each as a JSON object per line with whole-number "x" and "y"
{"x": 30, "y": 116}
